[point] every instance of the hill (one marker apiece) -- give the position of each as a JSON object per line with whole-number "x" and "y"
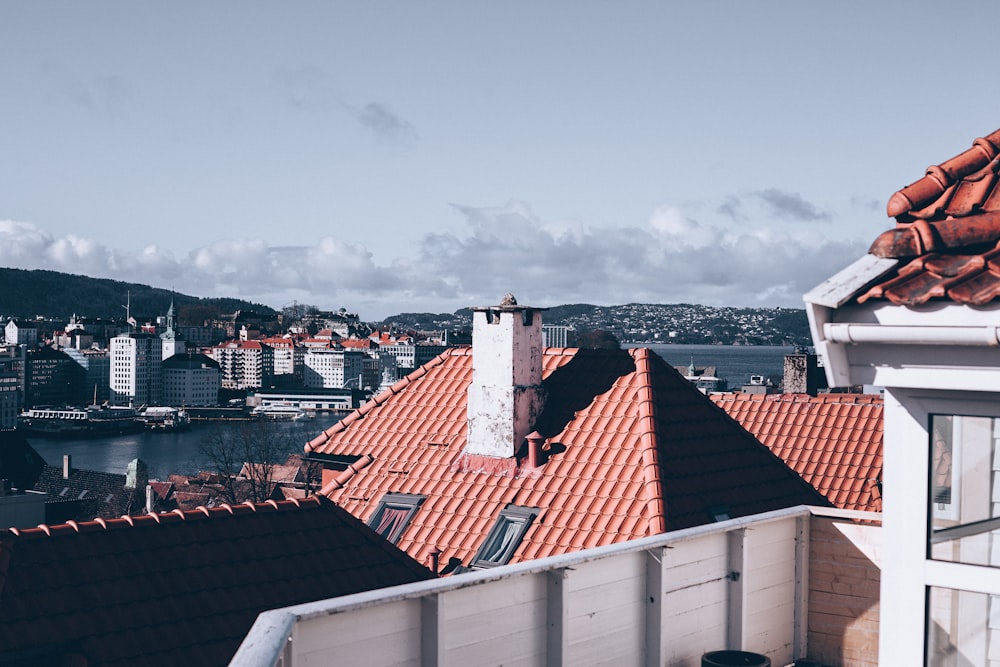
{"x": 653, "y": 323}
{"x": 25, "y": 294}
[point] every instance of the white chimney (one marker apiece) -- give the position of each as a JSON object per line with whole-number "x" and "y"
{"x": 506, "y": 396}
{"x": 67, "y": 465}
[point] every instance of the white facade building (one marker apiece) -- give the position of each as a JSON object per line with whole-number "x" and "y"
{"x": 334, "y": 369}
{"x": 135, "y": 369}
{"x": 247, "y": 364}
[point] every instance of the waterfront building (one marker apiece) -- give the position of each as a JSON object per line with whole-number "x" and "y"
{"x": 96, "y": 365}
{"x": 247, "y": 364}
{"x": 20, "y": 332}
{"x": 191, "y": 380}
{"x": 136, "y": 369}
{"x": 335, "y": 368}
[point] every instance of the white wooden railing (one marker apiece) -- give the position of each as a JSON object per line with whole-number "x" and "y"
{"x": 661, "y": 600}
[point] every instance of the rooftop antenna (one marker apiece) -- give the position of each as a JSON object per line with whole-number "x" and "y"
{"x": 128, "y": 311}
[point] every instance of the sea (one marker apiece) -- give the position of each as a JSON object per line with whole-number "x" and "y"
{"x": 179, "y": 452}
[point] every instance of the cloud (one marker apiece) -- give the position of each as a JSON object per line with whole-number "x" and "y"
{"x": 107, "y": 93}
{"x": 791, "y": 206}
{"x": 313, "y": 90}
{"x": 386, "y": 125}
{"x": 672, "y": 257}
{"x": 774, "y": 204}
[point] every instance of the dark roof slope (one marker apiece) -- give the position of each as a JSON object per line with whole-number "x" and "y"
{"x": 834, "y": 441}
{"x": 181, "y": 588}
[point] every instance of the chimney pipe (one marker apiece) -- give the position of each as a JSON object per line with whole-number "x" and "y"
{"x": 67, "y": 465}
{"x": 435, "y": 560}
{"x": 535, "y": 442}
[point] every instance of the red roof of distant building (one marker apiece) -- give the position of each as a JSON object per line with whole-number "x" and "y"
{"x": 635, "y": 450}
{"x": 833, "y": 440}
{"x": 183, "y": 587}
{"x": 947, "y": 235}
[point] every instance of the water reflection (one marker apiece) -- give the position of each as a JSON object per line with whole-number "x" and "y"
{"x": 165, "y": 453}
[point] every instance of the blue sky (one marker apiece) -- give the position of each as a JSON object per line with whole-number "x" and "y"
{"x": 401, "y": 156}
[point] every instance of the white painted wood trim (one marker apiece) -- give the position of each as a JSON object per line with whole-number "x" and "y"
{"x": 849, "y": 281}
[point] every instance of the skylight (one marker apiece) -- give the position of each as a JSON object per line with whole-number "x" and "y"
{"x": 394, "y": 513}
{"x": 505, "y": 536}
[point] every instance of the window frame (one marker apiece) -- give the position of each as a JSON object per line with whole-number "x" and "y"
{"x": 516, "y": 515}
{"x": 409, "y": 502}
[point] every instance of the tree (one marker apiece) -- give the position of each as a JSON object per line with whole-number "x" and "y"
{"x": 598, "y": 339}
{"x": 244, "y": 458}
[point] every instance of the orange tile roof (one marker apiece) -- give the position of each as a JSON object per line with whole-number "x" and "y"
{"x": 833, "y": 440}
{"x": 947, "y": 233}
{"x": 179, "y": 588}
{"x": 635, "y": 449}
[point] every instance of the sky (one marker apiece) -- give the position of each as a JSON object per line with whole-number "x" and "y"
{"x": 390, "y": 157}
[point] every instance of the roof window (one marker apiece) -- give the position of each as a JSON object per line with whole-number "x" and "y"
{"x": 394, "y": 513}
{"x": 505, "y": 536}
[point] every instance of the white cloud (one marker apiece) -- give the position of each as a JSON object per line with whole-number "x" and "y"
{"x": 671, "y": 258}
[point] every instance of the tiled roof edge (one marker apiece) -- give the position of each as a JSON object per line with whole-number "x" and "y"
{"x": 939, "y": 178}
{"x": 175, "y": 516}
{"x": 653, "y": 484}
{"x": 395, "y": 389}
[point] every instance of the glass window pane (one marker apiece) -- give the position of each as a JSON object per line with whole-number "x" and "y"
{"x": 964, "y": 500}
{"x": 963, "y": 628}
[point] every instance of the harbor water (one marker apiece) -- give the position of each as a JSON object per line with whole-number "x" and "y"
{"x": 734, "y": 363}
{"x": 166, "y": 453}
{"x": 179, "y": 452}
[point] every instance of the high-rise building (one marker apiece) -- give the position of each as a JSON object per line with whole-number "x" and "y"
{"x": 135, "y": 368}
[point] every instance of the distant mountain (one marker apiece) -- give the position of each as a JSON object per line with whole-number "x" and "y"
{"x": 25, "y": 294}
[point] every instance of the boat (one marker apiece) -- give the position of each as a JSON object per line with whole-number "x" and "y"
{"x": 276, "y": 412}
{"x": 74, "y": 422}
{"x": 159, "y": 418}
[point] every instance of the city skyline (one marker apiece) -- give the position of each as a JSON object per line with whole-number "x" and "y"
{"x": 391, "y": 157}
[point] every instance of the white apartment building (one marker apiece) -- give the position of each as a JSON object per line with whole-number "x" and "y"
{"x": 135, "y": 368}
{"x": 246, "y": 364}
{"x": 191, "y": 380}
{"x": 288, "y": 355}
{"x": 334, "y": 369}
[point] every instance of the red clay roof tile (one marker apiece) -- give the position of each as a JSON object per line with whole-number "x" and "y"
{"x": 618, "y": 467}
{"x": 947, "y": 233}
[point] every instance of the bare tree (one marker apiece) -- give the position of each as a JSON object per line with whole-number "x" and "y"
{"x": 244, "y": 458}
